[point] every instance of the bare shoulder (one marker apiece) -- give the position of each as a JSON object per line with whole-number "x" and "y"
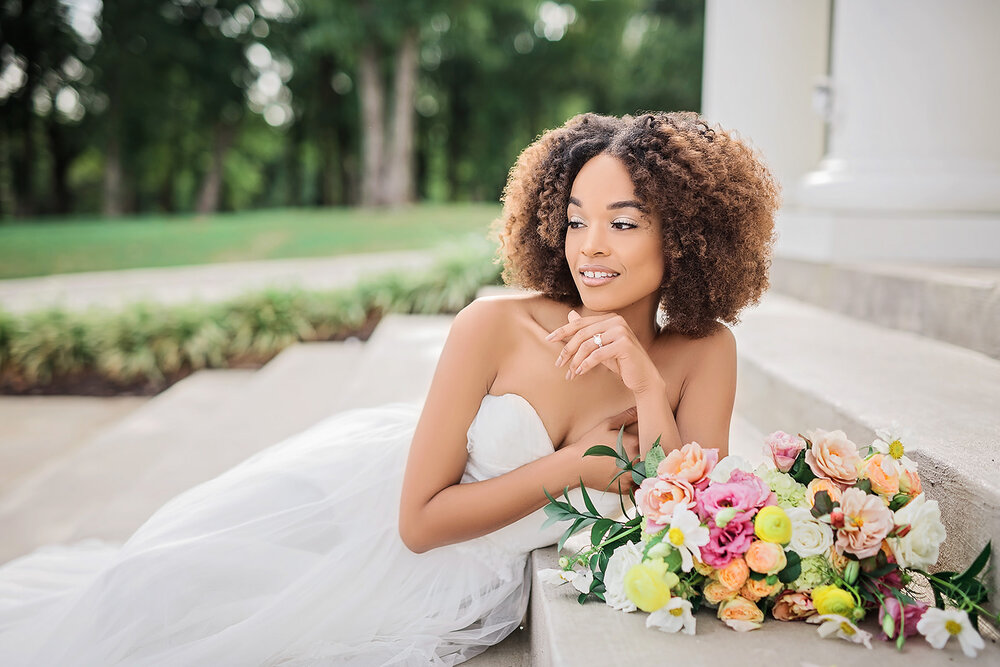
{"x": 687, "y": 356}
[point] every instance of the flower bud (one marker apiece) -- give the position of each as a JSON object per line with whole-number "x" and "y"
{"x": 564, "y": 562}
{"x": 659, "y": 550}
{"x": 725, "y": 515}
{"x": 889, "y": 626}
{"x": 837, "y": 518}
{"x": 851, "y": 572}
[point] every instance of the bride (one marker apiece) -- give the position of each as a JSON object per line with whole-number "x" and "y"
{"x": 398, "y": 536}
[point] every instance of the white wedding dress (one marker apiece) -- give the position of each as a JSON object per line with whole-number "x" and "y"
{"x": 293, "y": 557}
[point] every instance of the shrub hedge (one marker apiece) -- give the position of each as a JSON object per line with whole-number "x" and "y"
{"x": 145, "y": 347}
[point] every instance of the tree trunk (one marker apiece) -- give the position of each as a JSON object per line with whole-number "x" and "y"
{"x": 112, "y": 205}
{"x": 61, "y": 158}
{"x": 211, "y": 187}
{"x": 399, "y": 183}
{"x": 371, "y": 94}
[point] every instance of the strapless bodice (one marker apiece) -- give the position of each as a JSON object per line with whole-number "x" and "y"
{"x": 506, "y": 434}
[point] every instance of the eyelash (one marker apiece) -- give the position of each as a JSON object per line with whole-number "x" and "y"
{"x": 618, "y": 221}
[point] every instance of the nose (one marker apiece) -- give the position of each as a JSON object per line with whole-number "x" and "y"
{"x": 595, "y": 242}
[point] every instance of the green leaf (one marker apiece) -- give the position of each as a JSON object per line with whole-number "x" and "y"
{"x": 653, "y": 458}
{"x": 598, "y": 531}
{"x": 792, "y": 569}
{"x": 581, "y": 598}
{"x": 620, "y": 444}
{"x": 674, "y": 561}
{"x": 586, "y": 499}
{"x": 978, "y": 564}
{"x": 822, "y": 504}
{"x": 898, "y": 501}
{"x": 864, "y": 484}
{"x": 569, "y": 532}
{"x": 600, "y": 450}
{"x": 800, "y": 471}
{"x": 757, "y": 576}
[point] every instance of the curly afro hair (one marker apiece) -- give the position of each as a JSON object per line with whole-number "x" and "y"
{"x": 715, "y": 197}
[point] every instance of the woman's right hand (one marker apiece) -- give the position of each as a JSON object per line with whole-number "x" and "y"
{"x": 598, "y": 471}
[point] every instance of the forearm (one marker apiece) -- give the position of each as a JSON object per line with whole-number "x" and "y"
{"x": 656, "y": 420}
{"x": 464, "y": 511}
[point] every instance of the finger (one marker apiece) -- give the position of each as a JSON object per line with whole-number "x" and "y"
{"x": 580, "y": 337}
{"x": 573, "y": 315}
{"x": 597, "y": 356}
{"x": 567, "y": 330}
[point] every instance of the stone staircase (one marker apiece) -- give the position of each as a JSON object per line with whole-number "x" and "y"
{"x": 801, "y": 366}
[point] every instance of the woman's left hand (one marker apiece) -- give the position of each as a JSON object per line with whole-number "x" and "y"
{"x": 619, "y": 350}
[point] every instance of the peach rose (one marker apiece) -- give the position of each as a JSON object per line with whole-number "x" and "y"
{"x": 735, "y": 574}
{"x": 882, "y": 471}
{"x": 793, "y": 606}
{"x": 690, "y": 463}
{"x": 822, "y": 484}
{"x": 758, "y": 589}
{"x": 866, "y": 523}
{"x": 833, "y": 456}
{"x": 656, "y": 499}
{"x": 765, "y": 557}
{"x": 909, "y": 483}
{"x": 741, "y": 614}
{"x": 838, "y": 560}
{"x": 716, "y": 593}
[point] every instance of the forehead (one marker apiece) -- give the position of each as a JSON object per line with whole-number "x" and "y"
{"x": 603, "y": 178}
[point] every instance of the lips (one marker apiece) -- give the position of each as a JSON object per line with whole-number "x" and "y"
{"x": 596, "y": 275}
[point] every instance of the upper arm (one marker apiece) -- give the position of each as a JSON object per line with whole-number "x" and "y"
{"x": 464, "y": 373}
{"x": 709, "y": 392}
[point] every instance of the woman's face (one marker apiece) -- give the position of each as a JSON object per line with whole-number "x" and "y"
{"x": 614, "y": 247}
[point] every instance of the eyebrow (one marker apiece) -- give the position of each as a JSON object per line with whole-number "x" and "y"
{"x": 627, "y": 203}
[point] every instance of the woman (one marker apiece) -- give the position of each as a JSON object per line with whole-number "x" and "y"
{"x": 375, "y": 538}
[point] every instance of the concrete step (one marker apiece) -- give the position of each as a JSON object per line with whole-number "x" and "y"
{"x": 192, "y": 432}
{"x": 801, "y": 367}
{"x": 36, "y": 429}
{"x": 565, "y": 633}
{"x": 955, "y": 304}
{"x": 398, "y": 360}
{"x": 45, "y": 506}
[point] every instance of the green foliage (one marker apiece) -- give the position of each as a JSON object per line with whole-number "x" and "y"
{"x": 146, "y": 343}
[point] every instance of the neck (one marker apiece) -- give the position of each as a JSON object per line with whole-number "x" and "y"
{"x": 640, "y": 317}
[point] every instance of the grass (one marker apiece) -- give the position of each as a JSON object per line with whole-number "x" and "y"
{"x": 46, "y": 247}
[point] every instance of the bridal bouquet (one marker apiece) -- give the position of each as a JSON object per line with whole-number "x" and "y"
{"x": 823, "y": 532}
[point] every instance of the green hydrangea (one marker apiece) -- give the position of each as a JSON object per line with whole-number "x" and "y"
{"x": 789, "y": 492}
{"x": 816, "y": 571}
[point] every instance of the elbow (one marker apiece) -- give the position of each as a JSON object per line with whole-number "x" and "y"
{"x": 411, "y": 537}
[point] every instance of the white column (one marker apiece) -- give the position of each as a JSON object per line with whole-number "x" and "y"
{"x": 762, "y": 62}
{"x": 916, "y": 101}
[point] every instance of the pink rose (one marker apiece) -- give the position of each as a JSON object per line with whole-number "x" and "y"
{"x": 744, "y": 492}
{"x": 725, "y": 544}
{"x": 783, "y": 449}
{"x": 656, "y": 499}
{"x": 866, "y": 523}
{"x": 690, "y": 463}
{"x": 833, "y": 456}
{"x": 793, "y": 606}
{"x": 910, "y": 613}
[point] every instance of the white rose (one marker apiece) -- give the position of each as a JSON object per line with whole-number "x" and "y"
{"x": 810, "y": 537}
{"x": 919, "y": 547}
{"x": 619, "y": 564}
{"x": 724, "y": 468}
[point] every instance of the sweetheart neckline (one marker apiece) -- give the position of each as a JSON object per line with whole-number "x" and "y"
{"x": 534, "y": 412}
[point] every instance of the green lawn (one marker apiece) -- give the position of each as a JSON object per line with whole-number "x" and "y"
{"x": 95, "y": 244}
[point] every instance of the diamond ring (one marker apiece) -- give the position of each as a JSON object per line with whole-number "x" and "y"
{"x": 597, "y": 340}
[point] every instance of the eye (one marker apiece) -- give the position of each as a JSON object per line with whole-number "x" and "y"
{"x": 574, "y": 223}
{"x": 623, "y": 223}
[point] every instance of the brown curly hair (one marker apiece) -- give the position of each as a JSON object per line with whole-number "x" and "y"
{"x": 715, "y": 197}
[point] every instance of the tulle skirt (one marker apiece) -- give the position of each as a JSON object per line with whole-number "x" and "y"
{"x": 292, "y": 557}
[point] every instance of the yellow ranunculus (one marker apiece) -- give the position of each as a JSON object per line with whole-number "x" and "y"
{"x": 833, "y": 600}
{"x": 773, "y": 525}
{"x": 648, "y": 584}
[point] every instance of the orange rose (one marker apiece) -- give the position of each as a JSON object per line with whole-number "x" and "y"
{"x": 690, "y": 463}
{"x": 822, "y": 484}
{"x": 833, "y": 456}
{"x": 757, "y": 589}
{"x": 793, "y": 606}
{"x": 741, "y": 614}
{"x": 909, "y": 483}
{"x": 838, "y": 560}
{"x": 882, "y": 471}
{"x": 716, "y": 593}
{"x": 735, "y": 574}
{"x": 765, "y": 557}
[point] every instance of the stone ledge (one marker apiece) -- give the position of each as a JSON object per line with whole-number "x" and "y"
{"x": 565, "y": 633}
{"x": 801, "y": 367}
{"x": 955, "y": 304}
